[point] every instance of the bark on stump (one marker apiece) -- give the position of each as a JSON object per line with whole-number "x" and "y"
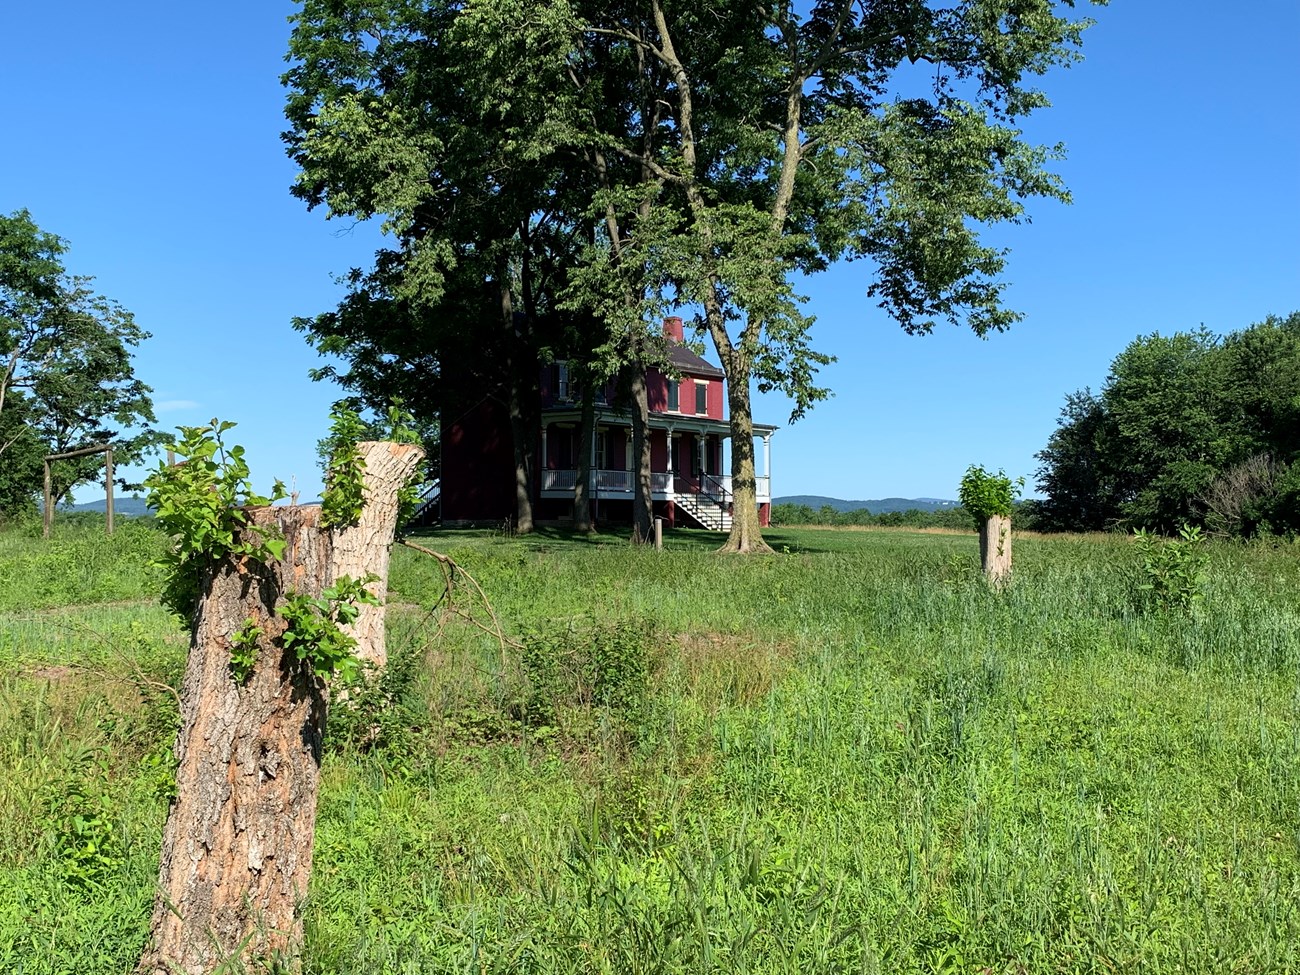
{"x": 237, "y": 847}
{"x": 363, "y": 549}
{"x": 995, "y": 549}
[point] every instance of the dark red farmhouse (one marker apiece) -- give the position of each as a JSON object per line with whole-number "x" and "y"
{"x": 689, "y": 431}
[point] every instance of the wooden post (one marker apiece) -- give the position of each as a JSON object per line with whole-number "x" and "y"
{"x": 108, "y": 486}
{"x": 659, "y": 532}
{"x": 49, "y": 500}
{"x": 237, "y": 847}
{"x": 108, "y": 489}
{"x": 995, "y": 549}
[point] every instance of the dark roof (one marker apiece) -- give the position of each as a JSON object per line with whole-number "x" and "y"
{"x": 688, "y": 362}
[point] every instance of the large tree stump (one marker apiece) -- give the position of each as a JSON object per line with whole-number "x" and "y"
{"x": 995, "y": 549}
{"x": 237, "y": 847}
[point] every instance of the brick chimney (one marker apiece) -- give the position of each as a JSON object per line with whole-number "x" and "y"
{"x": 674, "y": 331}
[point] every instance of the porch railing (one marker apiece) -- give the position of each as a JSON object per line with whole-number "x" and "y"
{"x": 614, "y": 481}
{"x": 716, "y": 485}
{"x": 559, "y": 480}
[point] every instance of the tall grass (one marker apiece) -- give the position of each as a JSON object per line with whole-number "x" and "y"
{"x": 851, "y": 756}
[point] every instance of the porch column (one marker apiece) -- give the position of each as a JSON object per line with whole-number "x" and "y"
{"x": 767, "y": 459}
{"x": 546, "y": 457}
{"x": 671, "y": 445}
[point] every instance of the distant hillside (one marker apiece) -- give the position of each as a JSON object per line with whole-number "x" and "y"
{"x": 121, "y": 506}
{"x": 876, "y": 507}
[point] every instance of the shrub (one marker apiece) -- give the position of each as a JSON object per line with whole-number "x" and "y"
{"x": 584, "y": 663}
{"x": 1171, "y": 571}
{"x": 984, "y": 495}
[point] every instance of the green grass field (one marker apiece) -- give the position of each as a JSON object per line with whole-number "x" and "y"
{"x": 849, "y": 757}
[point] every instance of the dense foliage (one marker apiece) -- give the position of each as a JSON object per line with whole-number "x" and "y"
{"x": 984, "y": 494}
{"x": 1188, "y": 428}
{"x": 66, "y": 377}
{"x": 202, "y": 504}
{"x": 580, "y": 166}
{"x": 854, "y": 757}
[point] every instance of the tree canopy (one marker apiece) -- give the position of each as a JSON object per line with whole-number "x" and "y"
{"x": 1187, "y": 428}
{"x": 66, "y": 377}
{"x": 609, "y": 161}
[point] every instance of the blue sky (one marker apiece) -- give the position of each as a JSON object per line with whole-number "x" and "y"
{"x": 147, "y": 135}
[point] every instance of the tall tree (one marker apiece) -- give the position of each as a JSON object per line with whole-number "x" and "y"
{"x": 442, "y": 119}
{"x": 703, "y": 154}
{"x": 66, "y": 377}
{"x": 1186, "y": 427}
{"x": 794, "y": 137}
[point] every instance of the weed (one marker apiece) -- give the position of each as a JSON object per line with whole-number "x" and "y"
{"x": 1171, "y": 571}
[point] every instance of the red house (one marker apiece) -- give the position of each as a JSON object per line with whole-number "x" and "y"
{"x": 688, "y": 431}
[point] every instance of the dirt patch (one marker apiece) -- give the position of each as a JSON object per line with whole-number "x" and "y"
{"x": 51, "y": 673}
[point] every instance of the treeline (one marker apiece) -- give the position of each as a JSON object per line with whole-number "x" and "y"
{"x": 1189, "y": 428}
{"x": 801, "y": 514}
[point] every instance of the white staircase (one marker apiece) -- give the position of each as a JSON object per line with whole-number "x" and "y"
{"x": 705, "y": 511}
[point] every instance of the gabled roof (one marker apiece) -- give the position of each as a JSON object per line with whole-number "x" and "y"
{"x": 688, "y": 363}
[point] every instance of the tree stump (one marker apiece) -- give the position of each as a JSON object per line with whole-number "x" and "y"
{"x": 237, "y": 847}
{"x": 363, "y": 549}
{"x": 995, "y": 549}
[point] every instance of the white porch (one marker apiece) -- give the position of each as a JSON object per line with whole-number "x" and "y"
{"x": 664, "y": 485}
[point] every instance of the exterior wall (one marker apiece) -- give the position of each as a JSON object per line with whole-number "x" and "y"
{"x": 658, "y": 450}
{"x": 656, "y": 384}
{"x": 765, "y": 515}
{"x": 657, "y": 393}
{"x": 478, "y": 466}
{"x": 717, "y": 402}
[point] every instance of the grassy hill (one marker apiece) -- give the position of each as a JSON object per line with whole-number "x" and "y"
{"x": 851, "y": 756}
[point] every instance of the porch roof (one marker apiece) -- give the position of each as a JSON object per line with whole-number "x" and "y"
{"x": 678, "y": 422}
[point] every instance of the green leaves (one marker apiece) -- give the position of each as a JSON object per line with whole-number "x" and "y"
{"x": 200, "y": 503}
{"x": 1166, "y": 439}
{"x": 312, "y": 626}
{"x": 985, "y": 495}
{"x": 243, "y": 650}
{"x": 66, "y": 378}
{"x": 345, "y": 476}
{"x": 1171, "y": 571}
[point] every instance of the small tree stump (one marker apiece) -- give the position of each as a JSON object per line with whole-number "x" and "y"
{"x": 995, "y": 549}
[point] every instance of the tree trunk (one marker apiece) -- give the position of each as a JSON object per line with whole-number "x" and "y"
{"x": 521, "y": 430}
{"x": 363, "y": 549}
{"x": 236, "y": 856}
{"x": 237, "y": 847}
{"x": 995, "y": 549}
{"x": 582, "y": 486}
{"x": 642, "y": 529}
{"x": 746, "y": 531}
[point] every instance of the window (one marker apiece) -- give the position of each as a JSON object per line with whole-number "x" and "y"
{"x": 701, "y": 398}
{"x": 674, "y": 395}
{"x": 563, "y": 392}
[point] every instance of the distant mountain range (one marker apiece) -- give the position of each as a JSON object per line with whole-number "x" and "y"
{"x": 876, "y": 507}
{"x": 121, "y": 506}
